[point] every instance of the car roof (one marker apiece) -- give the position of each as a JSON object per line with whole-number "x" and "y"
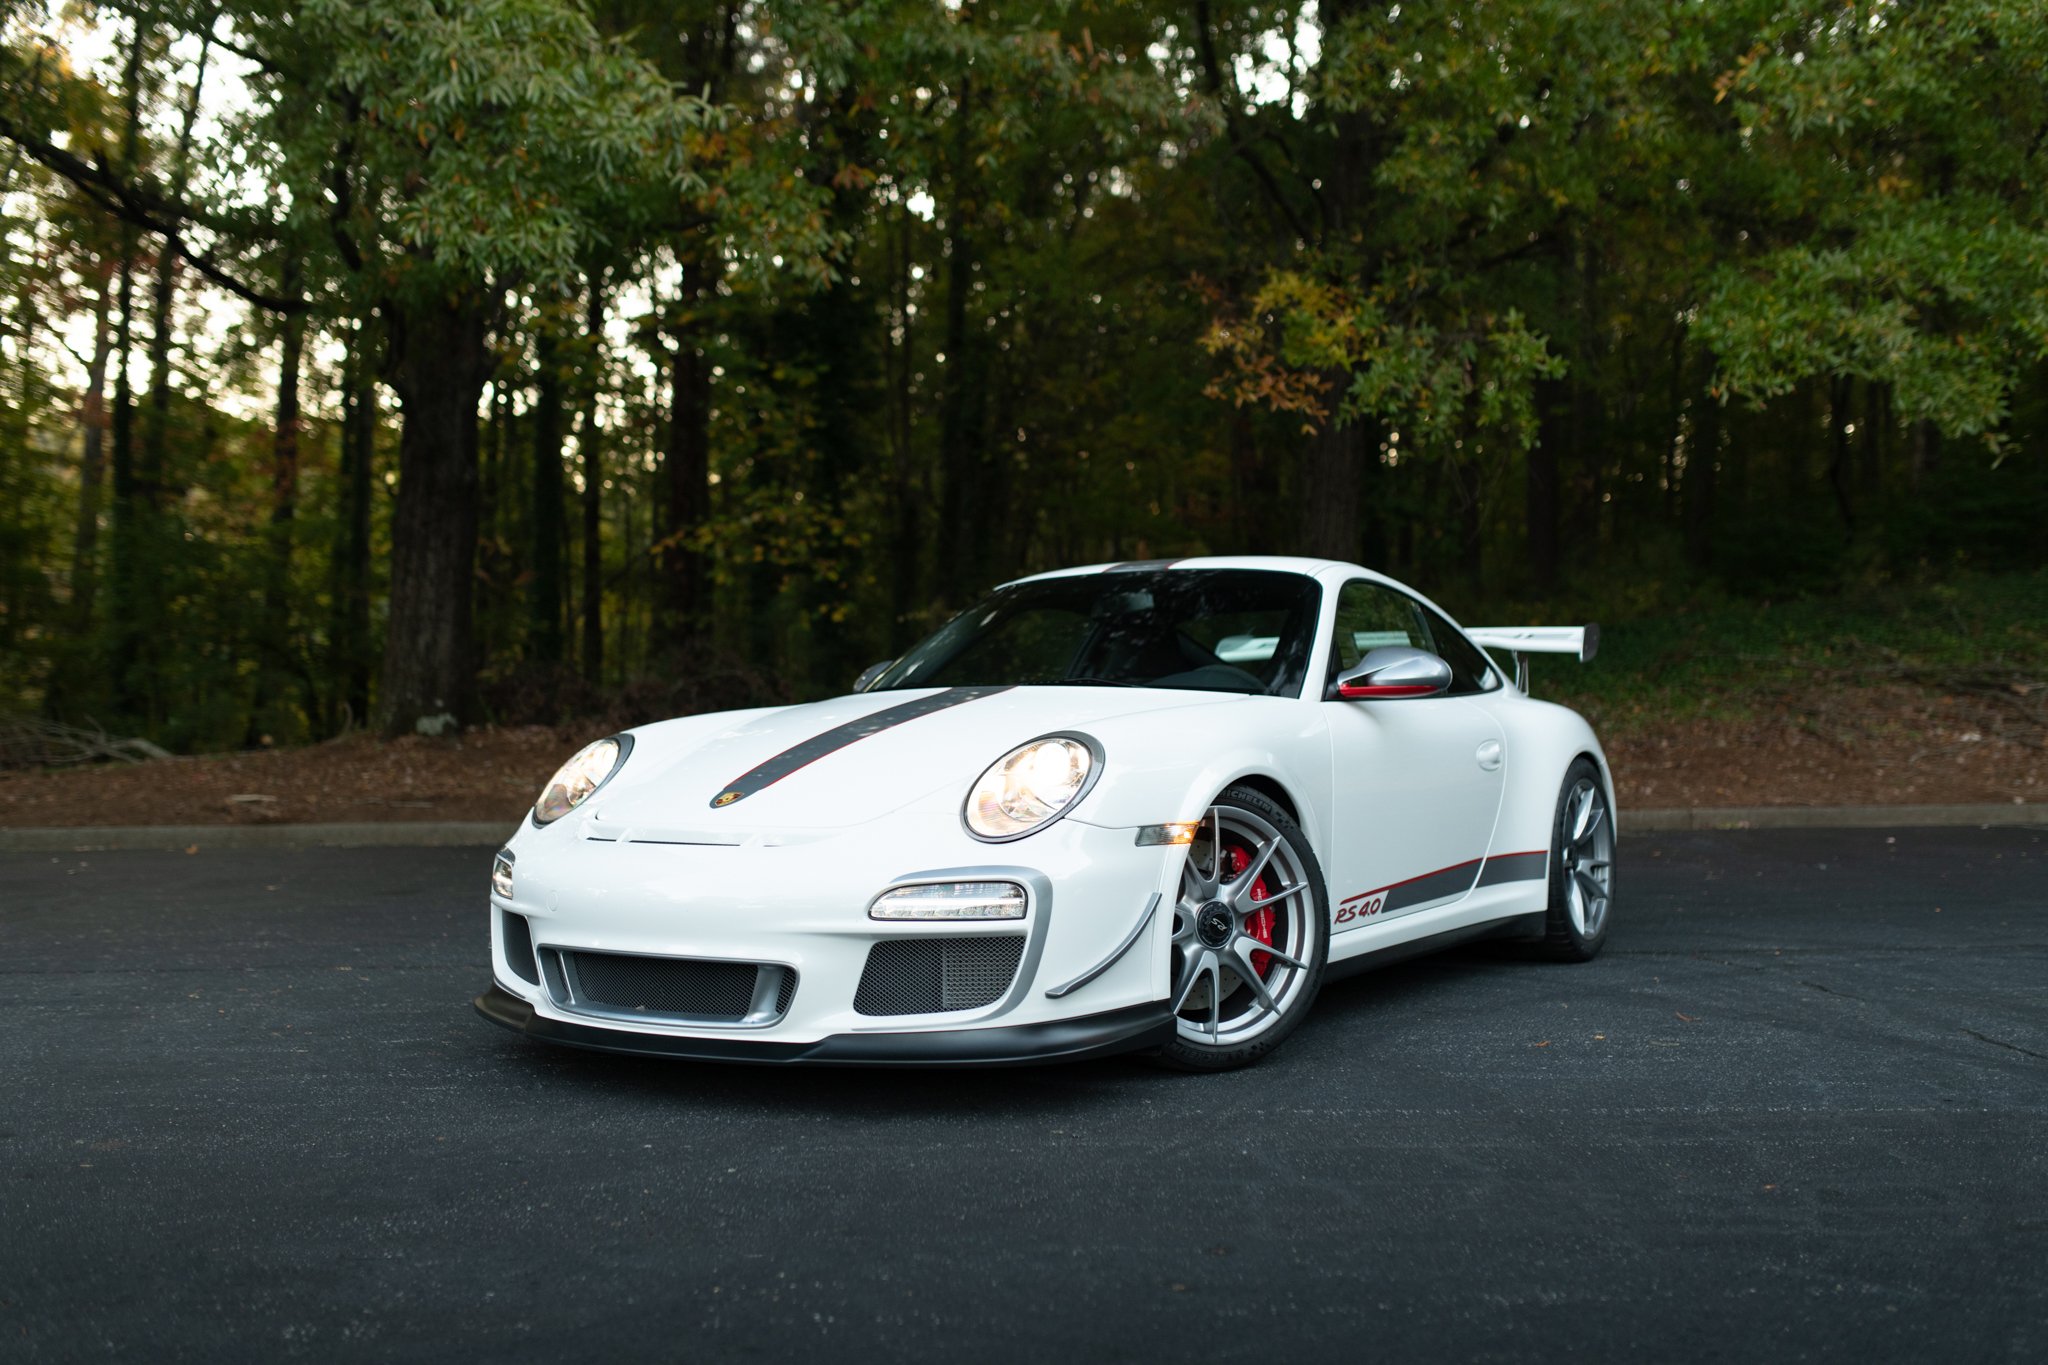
{"x": 1311, "y": 568}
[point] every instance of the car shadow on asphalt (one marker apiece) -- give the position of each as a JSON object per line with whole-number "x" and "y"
{"x": 1343, "y": 1009}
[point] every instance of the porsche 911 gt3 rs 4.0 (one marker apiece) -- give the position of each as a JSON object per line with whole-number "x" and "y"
{"x": 1140, "y": 806}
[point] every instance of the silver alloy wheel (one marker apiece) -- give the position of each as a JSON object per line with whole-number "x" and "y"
{"x": 1219, "y": 998}
{"x": 1588, "y": 857}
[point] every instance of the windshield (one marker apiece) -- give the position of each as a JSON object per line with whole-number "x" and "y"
{"x": 1208, "y": 630}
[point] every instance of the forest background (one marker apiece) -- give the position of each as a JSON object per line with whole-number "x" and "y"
{"x": 405, "y": 365}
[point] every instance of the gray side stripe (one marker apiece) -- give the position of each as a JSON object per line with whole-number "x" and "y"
{"x": 1434, "y": 886}
{"x": 1514, "y": 867}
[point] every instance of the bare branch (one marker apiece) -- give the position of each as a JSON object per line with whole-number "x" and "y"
{"x": 142, "y": 206}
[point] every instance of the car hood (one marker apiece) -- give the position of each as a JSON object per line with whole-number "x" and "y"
{"x": 840, "y": 763}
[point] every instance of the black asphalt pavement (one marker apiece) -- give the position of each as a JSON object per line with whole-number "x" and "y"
{"x": 1797, "y": 1111}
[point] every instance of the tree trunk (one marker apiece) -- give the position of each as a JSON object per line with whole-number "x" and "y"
{"x": 1329, "y": 490}
{"x": 92, "y": 463}
{"x": 687, "y": 466}
{"x": 153, "y": 462}
{"x": 1540, "y": 487}
{"x": 1841, "y": 416}
{"x": 1702, "y": 462}
{"x": 1467, "y": 488}
{"x": 123, "y": 581}
{"x": 906, "y": 597}
{"x": 349, "y": 635}
{"x": 1870, "y": 449}
{"x": 1674, "y": 447}
{"x": 274, "y": 635}
{"x": 1926, "y": 451}
{"x": 962, "y": 529}
{"x": 439, "y": 363}
{"x": 18, "y": 575}
{"x": 501, "y": 502}
{"x": 1332, "y": 468}
{"x": 544, "y": 594}
{"x": 590, "y": 444}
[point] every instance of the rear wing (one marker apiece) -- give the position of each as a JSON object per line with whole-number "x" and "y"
{"x": 1522, "y": 641}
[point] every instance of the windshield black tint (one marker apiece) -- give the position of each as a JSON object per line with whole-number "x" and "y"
{"x": 1210, "y": 630}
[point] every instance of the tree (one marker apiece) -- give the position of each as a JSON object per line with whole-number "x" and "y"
{"x": 1901, "y": 237}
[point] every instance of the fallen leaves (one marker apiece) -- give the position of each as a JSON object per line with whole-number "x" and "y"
{"x": 487, "y": 774}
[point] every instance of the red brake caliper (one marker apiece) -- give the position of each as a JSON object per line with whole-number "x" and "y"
{"x": 1260, "y": 924}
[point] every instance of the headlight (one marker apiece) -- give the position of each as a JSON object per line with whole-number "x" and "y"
{"x": 575, "y": 780}
{"x": 501, "y": 873}
{"x": 1031, "y": 786}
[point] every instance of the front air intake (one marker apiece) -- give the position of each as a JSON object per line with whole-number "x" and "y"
{"x": 518, "y": 947}
{"x": 938, "y": 975}
{"x": 676, "y": 990}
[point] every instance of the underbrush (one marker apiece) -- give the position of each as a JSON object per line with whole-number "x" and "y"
{"x": 1981, "y": 635}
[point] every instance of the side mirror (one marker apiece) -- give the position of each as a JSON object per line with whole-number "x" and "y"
{"x": 870, "y": 673}
{"x": 1394, "y": 671}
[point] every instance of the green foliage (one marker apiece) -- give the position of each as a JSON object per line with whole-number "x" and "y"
{"x": 1638, "y": 311}
{"x": 1903, "y": 237}
{"x": 1721, "y": 658}
{"x": 509, "y": 132}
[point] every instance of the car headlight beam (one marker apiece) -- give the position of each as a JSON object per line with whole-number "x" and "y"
{"x": 578, "y": 780}
{"x": 1031, "y": 786}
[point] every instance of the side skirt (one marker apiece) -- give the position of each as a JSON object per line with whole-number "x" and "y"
{"x": 1517, "y": 927}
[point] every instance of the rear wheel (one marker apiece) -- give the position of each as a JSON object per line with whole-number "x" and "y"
{"x": 1251, "y": 933}
{"x": 1582, "y": 846}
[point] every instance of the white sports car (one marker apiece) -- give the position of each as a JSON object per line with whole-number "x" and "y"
{"x": 1138, "y": 806}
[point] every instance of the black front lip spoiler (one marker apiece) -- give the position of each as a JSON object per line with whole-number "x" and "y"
{"x": 1063, "y": 1040}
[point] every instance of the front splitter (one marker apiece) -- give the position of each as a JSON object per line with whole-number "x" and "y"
{"x": 1062, "y": 1040}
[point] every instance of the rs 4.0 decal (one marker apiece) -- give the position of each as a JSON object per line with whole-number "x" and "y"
{"x": 1361, "y": 907}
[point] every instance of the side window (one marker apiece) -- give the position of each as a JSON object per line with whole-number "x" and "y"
{"x": 1370, "y": 615}
{"x": 1470, "y": 671}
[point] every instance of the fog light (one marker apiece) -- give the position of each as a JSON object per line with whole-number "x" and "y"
{"x": 951, "y": 900}
{"x": 1182, "y": 833}
{"x": 501, "y": 874}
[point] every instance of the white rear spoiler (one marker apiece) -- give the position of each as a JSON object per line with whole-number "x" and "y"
{"x": 1583, "y": 641}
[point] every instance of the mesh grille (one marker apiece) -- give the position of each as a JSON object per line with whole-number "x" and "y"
{"x": 518, "y": 947}
{"x": 786, "y": 992}
{"x": 934, "y": 975}
{"x": 665, "y": 985}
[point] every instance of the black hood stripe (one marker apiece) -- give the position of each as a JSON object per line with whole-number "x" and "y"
{"x": 839, "y": 736}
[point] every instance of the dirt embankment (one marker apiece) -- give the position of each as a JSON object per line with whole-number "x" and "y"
{"x": 1867, "y": 746}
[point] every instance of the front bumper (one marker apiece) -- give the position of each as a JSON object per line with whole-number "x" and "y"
{"x": 1060, "y": 1040}
{"x": 797, "y": 902}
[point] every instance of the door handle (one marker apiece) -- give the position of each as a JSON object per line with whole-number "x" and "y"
{"x": 1489, "y": 755}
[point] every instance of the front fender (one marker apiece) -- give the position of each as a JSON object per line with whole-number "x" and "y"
{"x": 1159, "y": 769}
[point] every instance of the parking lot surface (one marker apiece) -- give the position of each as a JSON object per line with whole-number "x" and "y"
{"x": 1797, "y": 1111}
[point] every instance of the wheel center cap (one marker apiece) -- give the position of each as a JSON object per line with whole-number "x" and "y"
{"x": 1214, "y": 925}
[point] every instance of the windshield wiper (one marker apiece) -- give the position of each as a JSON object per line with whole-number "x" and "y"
{"x": 1097, "y": 682}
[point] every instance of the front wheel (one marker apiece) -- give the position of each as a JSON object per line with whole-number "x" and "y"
{"x": 1581, "y": 868}
{"x": 1251, "y": 933}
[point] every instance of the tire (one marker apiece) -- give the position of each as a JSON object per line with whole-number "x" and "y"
{"x": 1251, "y": 936}
{"x": 1582, "y": 856}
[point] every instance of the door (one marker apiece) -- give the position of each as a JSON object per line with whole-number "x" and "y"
{"x": 1416, "y": 781}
